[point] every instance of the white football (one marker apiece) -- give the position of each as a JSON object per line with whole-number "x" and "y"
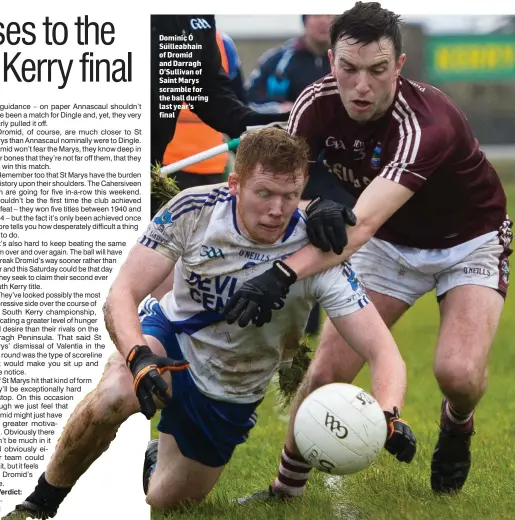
{"x": 340, "y": 429}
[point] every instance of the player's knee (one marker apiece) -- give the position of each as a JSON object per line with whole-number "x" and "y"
{"x": 172, "y": 500}
{"x": 459, "y": 377}
{"x": 114, "y": 400}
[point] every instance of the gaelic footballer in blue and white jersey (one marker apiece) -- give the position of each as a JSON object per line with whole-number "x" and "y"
{"x": 198, "y": 230}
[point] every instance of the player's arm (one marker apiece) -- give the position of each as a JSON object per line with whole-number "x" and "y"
{"x": 258, "y": 295}
{"x": 358, "y": 322}
{"x": 378, "y": 202}
{"x": 147, "y": 266}
{"x": 142, "y": 272}
{"x": 387, "y": 193}
{"x": 368, "y": 336}
{"x": 356, "y": 319}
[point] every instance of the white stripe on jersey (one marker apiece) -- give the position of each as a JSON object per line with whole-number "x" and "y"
{"x": 409, "y": 130}
{"x": 407, "y": 135}
{"x": 306, "y": 99}
{"x": 418, "y": 132}
{"x": 405, "y": 131}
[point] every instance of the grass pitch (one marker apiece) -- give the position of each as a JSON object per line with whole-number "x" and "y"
{"x": 389, "y": 489}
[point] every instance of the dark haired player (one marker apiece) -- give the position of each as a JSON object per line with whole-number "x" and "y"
{"x": 431, "y": 214}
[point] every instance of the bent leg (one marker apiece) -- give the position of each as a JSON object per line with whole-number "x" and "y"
{"x": 178, "y": 479}
{"x": 469, "y": 318}
{"x": 87, "y": 434}
{"x": 93, "y": 424}
{"x": 470, "y": 311}
{"x": 95, "y": 421}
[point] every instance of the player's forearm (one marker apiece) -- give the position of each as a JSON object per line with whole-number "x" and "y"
{"x": 389, "y": 380}
{"x": 378, "y": 202}
{"x": 366, "y": 333}
{"x": 122, "y": 321}
{"x": 310, "y": 260}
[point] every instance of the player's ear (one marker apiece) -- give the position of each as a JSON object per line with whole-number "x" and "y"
{"x": 331, "y": 60}
{"x": 233, "y": 184}
{"x": 399, "y": 64}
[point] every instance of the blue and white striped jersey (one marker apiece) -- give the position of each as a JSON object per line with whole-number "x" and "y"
{"x": 198, "y": 230}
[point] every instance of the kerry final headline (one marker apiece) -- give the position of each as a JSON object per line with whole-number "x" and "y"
{"x": 17, "y": 67}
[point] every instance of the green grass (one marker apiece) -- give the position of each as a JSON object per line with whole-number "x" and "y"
{"x": 389, "y": 489}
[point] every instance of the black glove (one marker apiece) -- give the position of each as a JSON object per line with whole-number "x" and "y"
{"x": 257, "y": 297}
{"x": 400, "y": 440}
{"x": 147, "y": 369}
{"x": 326, "y": 224}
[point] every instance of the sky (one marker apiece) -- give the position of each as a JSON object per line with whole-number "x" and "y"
{"x": 290, "y": 25}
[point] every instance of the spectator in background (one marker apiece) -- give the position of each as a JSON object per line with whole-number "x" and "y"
{"x": 192, "y": 136}
{"x": 273, "y": 86}
{"x": 283, "y": 72}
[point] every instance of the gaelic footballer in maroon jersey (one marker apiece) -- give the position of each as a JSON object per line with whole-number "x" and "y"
{"x": 431, "y": 215}
{"x": 422, "y": 142}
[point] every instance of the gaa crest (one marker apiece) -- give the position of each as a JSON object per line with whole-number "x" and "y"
{"x": 505, "y": 271}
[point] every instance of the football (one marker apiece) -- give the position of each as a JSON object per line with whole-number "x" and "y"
{"x": 340, "y": 429}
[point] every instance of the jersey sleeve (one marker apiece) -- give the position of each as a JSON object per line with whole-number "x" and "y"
{"x": 338, "y": 291}
{"x": 169, "y": 231}
{"x": 418, "y": 153}
{"x": 304, "y": 121}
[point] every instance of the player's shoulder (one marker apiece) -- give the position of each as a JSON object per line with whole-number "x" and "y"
{"x": 426, "y": 105}
{"x": 323, "y": 90}
{"x": 320, "y": 97}
{"x": 205, "y": 192}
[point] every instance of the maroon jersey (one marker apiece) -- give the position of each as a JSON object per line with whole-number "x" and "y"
{"x": 423, "y": 142}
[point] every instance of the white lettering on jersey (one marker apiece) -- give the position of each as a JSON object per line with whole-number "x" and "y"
{"x": 332, "y": 142}
{"x": 347, "y": 174}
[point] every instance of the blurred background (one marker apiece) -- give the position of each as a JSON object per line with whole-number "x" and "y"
{"x": 471, "y": 58}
